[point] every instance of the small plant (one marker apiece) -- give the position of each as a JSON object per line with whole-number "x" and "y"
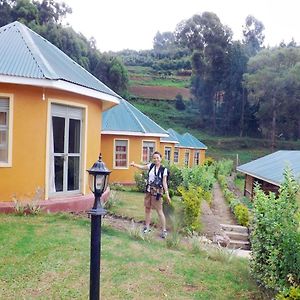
{"x": 136, "y": 233}
{"x": 173, "y": 240}
{"x": 117, "y": 187}
{"x": 114, "y": 197}
{"x": 141, "y": 181}
{"x": 28, "y": 206}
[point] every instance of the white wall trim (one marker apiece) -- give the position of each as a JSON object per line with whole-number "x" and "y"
{"x": 133, "y": 133}
{"x": 108, "y": 100}
{"x": 10, "y": 97}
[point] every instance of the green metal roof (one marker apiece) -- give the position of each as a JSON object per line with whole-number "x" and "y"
{"x": 25, "y": 54}
{"x": 186, "y": 140}
{"x": 126, "y": 119}
{"x": 194, "y": 141}
{"x": 270, "y": 168}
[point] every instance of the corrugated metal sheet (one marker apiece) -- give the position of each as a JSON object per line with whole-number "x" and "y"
{"x": 24, "y": 53}
{"x": 270, "y": 168}
{"x": 194, "y": 141}
{"x": 125, "y": 117}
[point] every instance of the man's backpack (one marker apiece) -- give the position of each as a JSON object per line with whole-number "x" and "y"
{"x": 160, "y": 172}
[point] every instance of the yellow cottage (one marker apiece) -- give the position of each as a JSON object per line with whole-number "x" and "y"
{"x": 188, "y": 151}
{"x": 128, "y": 135}
{"x": 50, "y": 115}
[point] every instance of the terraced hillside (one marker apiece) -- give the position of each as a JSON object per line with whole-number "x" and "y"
{"x": 148, "y": 84}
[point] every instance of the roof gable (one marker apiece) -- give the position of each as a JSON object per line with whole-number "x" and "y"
{"x": 26, "y": 54}
{"x": 270, "y": 168}
{"x": 125, "y": 118}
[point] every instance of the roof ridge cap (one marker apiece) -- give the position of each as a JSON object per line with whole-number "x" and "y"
{"x": 134, "y": 116}
{"x": 35, "y": 51}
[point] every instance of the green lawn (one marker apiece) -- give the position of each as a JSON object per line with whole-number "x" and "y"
{"x": 47, "y": 257}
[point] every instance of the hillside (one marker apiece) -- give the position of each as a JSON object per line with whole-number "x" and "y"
{"x": 146, "y": 83}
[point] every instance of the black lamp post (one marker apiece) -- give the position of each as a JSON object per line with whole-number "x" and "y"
{"x": 98, "y": 180}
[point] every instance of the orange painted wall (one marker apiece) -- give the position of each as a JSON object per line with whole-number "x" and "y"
{"x": 126, "y": 175}
{"x": 29, "y": 153}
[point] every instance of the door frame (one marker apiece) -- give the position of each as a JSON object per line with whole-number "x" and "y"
{"x": 82, "y": 178}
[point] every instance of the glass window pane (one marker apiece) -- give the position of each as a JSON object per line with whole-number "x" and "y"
{"x": 3, "y": 118}
{"x": 121, "y": 153}
{"x": 59, "y": 173}
{"x": 73, "y": 173}
{"x": 3, "y": 155}
{"x": 3, "y": 138}
{"x": 74, "y": 136}
{"x": 58, "y": 134}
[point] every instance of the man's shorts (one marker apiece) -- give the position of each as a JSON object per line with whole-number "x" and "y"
{"x": 151, "y": 202}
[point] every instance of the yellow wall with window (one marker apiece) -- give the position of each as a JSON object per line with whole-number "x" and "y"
{"x": 30, "y": 133}
{"x": 163, "y": 146}
{"x": 124, "y": 175}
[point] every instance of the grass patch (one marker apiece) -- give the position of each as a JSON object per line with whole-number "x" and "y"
{"x": 47, "y": 257}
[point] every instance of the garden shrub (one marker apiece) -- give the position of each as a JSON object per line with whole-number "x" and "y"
{"x": 275, "y": 236}
{"x": 292, "y": 293}
{"x": 191, "y": 199}
{"x": 140, "y": 179}
{"x": 224, "y": 167}
{"x": 242, "y": 214}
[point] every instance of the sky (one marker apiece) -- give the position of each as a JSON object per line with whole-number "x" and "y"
{"x": 132, "y": 24}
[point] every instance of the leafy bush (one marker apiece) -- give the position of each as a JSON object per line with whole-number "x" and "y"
{"x": 175, "y": 178}
{"x": 275, "y": 237}
{"x": 179, "y": 104}
{"x": 292, "y": 293}
{"x": 141, "y": 181}
{"x": 242, "y": 214}
{"x": 191, "y": 199}
{"x": 224, "y": 167}
{"x": 203, "y": 176}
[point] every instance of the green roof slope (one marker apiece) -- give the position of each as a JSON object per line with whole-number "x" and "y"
{"x": 126, "y": 119}
{"x": 270, "y": 168}
{"x": 194, "y": 141}
{"x": 24, "y": 53}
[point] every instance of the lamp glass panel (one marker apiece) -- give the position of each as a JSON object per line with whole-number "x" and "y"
{"x": 100, "y": 181}
{"x": 91, "y": 182}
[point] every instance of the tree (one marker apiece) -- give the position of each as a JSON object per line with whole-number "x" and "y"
{"x": 163, "y": 41}
{"x": 208, "y": 39}
{"x": 253, "y": 35}
{"x": 273, "y": 83}
{"x": 179, "y": 104}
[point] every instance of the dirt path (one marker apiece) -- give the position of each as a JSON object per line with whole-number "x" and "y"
{"x": 216, "y": 214}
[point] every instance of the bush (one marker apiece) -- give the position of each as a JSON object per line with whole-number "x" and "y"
{"x": 141, "y": 181}
{"x": 224, "y": 167}
{"x": 191, "y": 199}
{"x": 275, "y": 237}
{"x": 292, "y": 293}
{"x": 179, "y": 104}
{"x": 242, "y": 214}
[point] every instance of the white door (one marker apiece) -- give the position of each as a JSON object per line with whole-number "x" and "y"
{"x": 65, "y": 152}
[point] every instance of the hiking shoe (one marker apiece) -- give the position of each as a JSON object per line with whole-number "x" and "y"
{"x": 164, "y": 234}
{"x": 146, "y": 230}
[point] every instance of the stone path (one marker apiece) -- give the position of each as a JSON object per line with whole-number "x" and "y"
{"x": 216, "y": 214}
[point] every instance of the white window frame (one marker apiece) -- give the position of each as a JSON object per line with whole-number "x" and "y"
{"x": 127, "y": 154}
{"x": 196, "y": 157}
{"x": 176, "y": 150}
{"x": 149, "y": 155}
{"x": 187, "y": 155}
{"x": 9, "y": 128}
{"x": 169, "y": 149}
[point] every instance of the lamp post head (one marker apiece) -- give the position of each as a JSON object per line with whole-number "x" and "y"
{"x": 98, "y": 177}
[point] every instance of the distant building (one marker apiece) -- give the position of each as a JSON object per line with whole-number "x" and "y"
{"x": 128, "y": 135}
{"x": 189, "y": 151}
{"x": 268, "y": 171}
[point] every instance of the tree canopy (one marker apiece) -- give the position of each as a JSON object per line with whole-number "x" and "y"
{"x": 45, "y": 17}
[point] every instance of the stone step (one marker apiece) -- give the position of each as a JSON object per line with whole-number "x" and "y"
{"x": 236, "y": 244}
{"x": 236, "y": 228}
{"x": 241, "y": 236}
